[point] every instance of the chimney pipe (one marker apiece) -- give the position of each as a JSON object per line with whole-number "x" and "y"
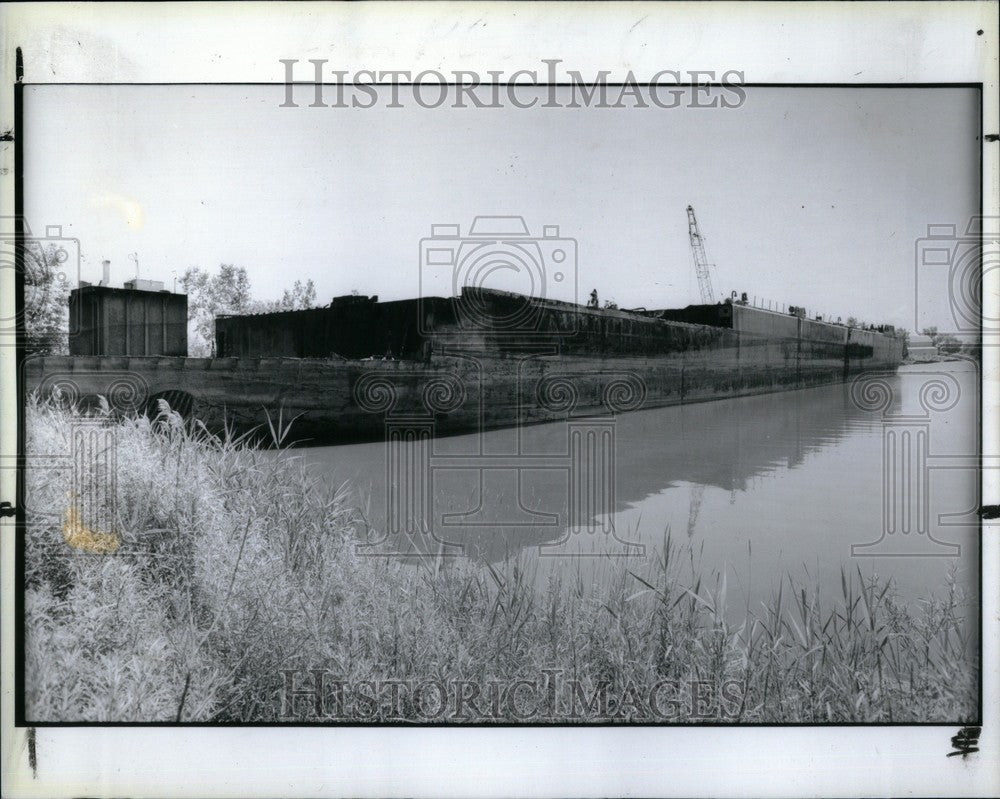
{"x": 106, "y": 264}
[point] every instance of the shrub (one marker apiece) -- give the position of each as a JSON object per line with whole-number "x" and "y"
{"x": 184, "y": 577}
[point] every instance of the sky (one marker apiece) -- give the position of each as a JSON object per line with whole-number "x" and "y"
{"x": 805, "y": 196}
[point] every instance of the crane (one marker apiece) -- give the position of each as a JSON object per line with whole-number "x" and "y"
{"x": 701, "y": 265}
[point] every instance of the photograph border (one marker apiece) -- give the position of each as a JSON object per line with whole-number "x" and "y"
{"x": 21, "y": 719}
{"x": 888, "y": 42}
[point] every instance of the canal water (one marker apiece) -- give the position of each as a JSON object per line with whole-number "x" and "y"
{"x": 877, "y": 476}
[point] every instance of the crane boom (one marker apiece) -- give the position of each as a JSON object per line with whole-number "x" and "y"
{"x": 701, "y": 264}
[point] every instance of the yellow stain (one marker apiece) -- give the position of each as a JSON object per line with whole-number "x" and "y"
{"x": 130, "y": 209}
{"x": 79, "y": 536}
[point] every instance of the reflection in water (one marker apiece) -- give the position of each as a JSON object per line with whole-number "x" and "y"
{"x": 794, "y": 477}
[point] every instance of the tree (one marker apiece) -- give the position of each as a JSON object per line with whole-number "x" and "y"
{"x": 46, "y": 300}
{"x": 300, "y": 297}
{"x": 227, "y": 292}
{"x": 905, "y": 335}
{"x": 972, "y": 349}
{"x": 931, "y": 332}
{"x": 948, "y": 344}
{"x": 852, "y": 321}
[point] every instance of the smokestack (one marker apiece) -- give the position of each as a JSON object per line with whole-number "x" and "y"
{"x": 106, "y": 264}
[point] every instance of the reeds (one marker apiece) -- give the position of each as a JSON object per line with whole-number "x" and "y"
{"x": 236, "y": 565}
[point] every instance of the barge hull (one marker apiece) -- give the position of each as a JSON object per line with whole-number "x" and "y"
{"x": 338, "y": 401}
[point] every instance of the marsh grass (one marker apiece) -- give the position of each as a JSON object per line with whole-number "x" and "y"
{"x": 233, "y": 564}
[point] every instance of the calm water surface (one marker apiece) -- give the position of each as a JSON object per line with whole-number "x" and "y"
{"x": 759, "y": 487}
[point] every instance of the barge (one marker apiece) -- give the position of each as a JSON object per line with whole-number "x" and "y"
{"x": 480, "y": 360}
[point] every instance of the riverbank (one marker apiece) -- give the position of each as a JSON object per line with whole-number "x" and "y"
{"x": 211, "y": 581}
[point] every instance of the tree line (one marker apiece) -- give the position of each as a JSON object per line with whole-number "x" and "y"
{"x": 226, "y": 291}
{"x": 946, "y": 343}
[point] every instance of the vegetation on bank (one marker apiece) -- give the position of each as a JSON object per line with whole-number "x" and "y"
{"x": 191, "y": 577}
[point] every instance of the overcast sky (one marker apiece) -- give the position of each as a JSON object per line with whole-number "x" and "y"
{"x": 813, "y": 197}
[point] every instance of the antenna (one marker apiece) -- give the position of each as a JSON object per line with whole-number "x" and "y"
{"x": 701, "y": 265}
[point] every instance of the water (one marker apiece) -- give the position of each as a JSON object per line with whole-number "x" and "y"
{"x": 759, "y": 486}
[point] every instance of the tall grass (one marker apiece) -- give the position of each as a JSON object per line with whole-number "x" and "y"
{"x": 231, "y": 565}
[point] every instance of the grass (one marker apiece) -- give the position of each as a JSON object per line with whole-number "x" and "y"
{"x": 189, "y": 584}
